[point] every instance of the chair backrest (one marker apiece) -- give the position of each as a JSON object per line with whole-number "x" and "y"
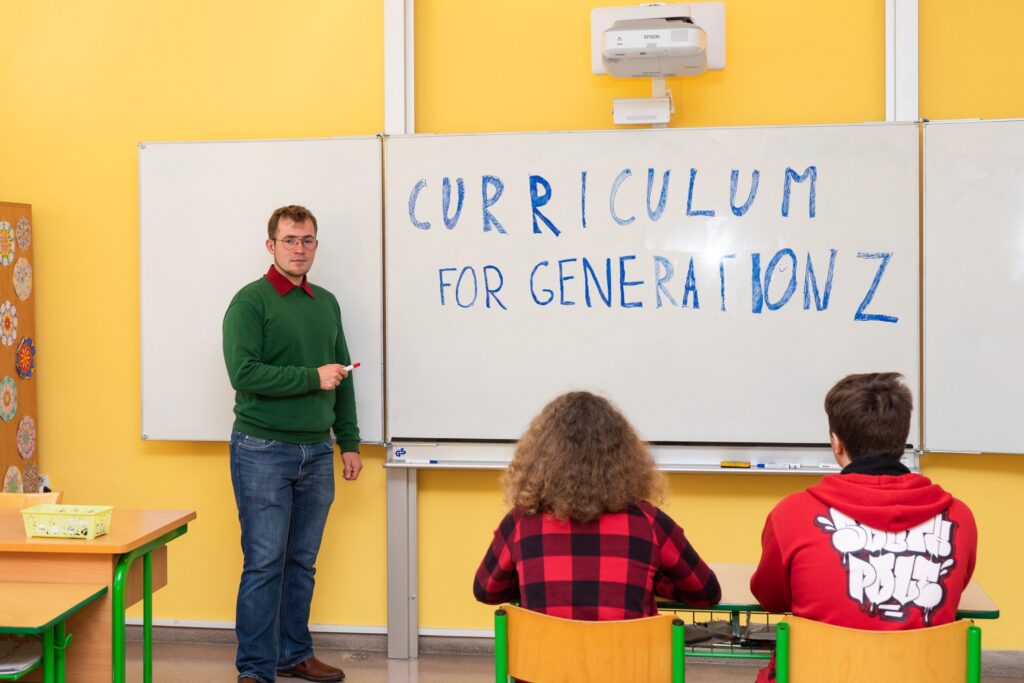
{"x": 542, "y": 648}
{"x": 813, "y": 651}
{"x": 24, "y": 500}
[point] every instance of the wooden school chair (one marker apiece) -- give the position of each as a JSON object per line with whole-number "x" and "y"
{"x": 813, "y": 651}
{"x": 24, "y": 500}
{"x": 539, "y": 648}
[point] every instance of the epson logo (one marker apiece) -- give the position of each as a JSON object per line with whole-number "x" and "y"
{"x": 652, "y": 36}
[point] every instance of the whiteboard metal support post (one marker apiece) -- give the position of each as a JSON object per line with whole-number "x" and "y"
{"x": 901, "y": 73}
{"x": 403, "y": 611}
{"x": 403, "y": 568}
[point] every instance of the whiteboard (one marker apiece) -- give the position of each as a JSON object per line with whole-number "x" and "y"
{"x": 487, "y": 307}
{"x": 974, "y": 286}
{"x": 203, "y": 210}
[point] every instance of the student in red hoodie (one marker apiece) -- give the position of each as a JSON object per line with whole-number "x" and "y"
{"x": 583, "y": 539}
{"x": 876, "y": 546}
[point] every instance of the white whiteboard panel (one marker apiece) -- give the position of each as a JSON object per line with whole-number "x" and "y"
{"x": 479, "y": 368}
{"x": 203, "y": 214}
{"x": 974, "y": 286}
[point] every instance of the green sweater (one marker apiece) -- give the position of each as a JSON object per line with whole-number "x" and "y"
{"x": 273, "y": 346}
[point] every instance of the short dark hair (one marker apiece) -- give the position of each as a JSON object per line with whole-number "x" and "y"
{"x": 299, "y": 214}
{"x": 870, "y": 413}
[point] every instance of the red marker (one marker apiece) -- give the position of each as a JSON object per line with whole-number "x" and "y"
{"x": 350, "y": 368}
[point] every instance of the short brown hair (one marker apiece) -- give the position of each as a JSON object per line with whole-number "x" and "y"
{"x": 579, "y": 459}
{"x": 299, "y": 214}
{"x": 870, "y": 413}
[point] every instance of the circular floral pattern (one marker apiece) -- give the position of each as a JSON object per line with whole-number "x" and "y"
{"x": 23, "y": 278}
{"x": 27, "y": 437}
{"x": 12, "y": 481}
{"x": 33, "y": 482}
{"x": 6, "y": 243}
{"x": 25, "y": 358}
{"x": 8, "y": 323}
{"x": 23, "y": 233}
{"x": 8, "y": 399}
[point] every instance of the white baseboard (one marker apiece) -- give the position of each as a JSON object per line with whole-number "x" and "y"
{"x": 458, "y": 633}
{"x": 321, "y": 628}
{"x": 230, "y": 626}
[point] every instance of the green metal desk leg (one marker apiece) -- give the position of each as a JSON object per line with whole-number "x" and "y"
{"x": 734, "y": 623}
{"x": 118, "y": 606}
{"x": 48, "y": 663}
{"x": 60, "y": 645}
{"x": 117, "y": 600}
{"x": 147, "y": 618}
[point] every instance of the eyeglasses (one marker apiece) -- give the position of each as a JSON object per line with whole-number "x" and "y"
{"x": 290, "y": 243}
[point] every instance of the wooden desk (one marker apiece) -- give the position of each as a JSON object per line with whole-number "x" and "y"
{"x": 975, "y": 604}
{"x": 737, "y": 599}
{"x": 736, "y": 596}
{"x": 107, "y": 560}
{"x": 40, "y": 609}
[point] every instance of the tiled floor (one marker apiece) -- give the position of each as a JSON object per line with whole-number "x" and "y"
{"x": 214, "y": 663}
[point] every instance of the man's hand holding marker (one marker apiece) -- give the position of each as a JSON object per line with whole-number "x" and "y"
{"x": 332, "y": 374}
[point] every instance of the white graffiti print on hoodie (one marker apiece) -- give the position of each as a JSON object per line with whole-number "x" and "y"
{"x": 890, "y": 573}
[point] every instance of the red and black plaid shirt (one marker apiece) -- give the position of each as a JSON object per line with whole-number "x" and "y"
{"x": 604, "y": 570}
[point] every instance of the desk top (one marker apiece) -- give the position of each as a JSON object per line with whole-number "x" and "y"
{"x": 129, "y": 529}
{"x": 34, "y": 607}
{"x": 735, "y": 582}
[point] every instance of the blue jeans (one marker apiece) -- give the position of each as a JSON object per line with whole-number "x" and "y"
{"x": 283, "y": 492}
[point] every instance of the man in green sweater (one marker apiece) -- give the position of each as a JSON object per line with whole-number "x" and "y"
{"x": 285, "y": 350}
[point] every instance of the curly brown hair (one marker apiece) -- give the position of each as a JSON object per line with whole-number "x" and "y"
{"x": 579, "y": 459}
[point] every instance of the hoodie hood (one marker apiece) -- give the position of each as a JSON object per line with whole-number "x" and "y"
{"x": 886, "y": 503}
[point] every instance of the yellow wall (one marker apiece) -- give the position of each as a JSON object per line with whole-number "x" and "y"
{"x": 82, "y": 83}
{"x": 971, "y": 59}
{"x": 484, "y": 66}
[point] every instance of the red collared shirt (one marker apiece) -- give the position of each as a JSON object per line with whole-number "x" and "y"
{"x": 283, "y": 285}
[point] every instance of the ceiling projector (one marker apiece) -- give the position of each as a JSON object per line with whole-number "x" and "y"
{"x": 654, "y": 48}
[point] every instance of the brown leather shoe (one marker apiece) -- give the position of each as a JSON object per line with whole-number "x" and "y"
{"x": 247, "y": 679}
{"x": 313, "y": 670}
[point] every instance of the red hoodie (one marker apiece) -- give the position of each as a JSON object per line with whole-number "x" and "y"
{"x": 865, "y": 551}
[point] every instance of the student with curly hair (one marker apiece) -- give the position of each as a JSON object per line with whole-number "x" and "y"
{"x": 583, "y": 539}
